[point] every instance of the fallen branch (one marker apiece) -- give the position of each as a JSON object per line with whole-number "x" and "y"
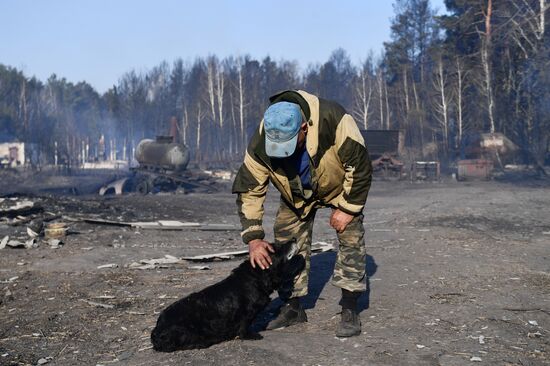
{"x": 98, "y": 304}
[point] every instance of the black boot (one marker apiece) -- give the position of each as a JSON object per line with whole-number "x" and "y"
{"x": 291, "y": 313}
{"x": 350, "y": 324}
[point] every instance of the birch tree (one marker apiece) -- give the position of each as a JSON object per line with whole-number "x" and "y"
{"x": 381, "y": 84}
{"x": 442, "y": 102}
{"x": 363, "y": 93}
{"x": 486, "y": 48}
{"x": 459, "y": 92}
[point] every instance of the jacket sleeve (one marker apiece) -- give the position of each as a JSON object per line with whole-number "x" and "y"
{"x": 355, "y": 159}
{"x": 250, "y": 185}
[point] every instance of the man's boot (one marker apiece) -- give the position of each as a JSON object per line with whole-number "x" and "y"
{"x": 350, "y": 324}
{"x": 291, "y": 313}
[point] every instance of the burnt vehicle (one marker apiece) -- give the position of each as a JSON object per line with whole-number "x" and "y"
{"x": 163, "y": 165}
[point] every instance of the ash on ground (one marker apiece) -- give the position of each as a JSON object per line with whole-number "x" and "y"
{"x": 458, "y": 273}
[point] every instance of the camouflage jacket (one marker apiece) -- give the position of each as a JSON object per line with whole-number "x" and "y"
{"x": 339, "y": 163}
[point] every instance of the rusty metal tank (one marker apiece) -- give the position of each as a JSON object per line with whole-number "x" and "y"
{"x": 162, "y": 153}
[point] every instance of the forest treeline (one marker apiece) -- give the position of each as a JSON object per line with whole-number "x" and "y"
{"x": 484, "y": 66}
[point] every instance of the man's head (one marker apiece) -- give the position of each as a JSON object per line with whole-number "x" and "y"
{"x": 285, "y": 128}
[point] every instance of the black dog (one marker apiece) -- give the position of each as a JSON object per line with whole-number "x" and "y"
{"x": 226, "y": 309}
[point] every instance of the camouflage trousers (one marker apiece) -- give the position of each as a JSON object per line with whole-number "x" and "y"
{"x": 349, "y": 270}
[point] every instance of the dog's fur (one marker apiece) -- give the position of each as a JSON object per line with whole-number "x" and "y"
{"x": 226, "y": 309}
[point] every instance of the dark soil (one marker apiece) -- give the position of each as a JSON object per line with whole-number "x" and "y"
{"x": 458, "y": 271}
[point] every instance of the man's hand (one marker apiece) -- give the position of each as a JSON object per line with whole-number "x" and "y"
{"x": 258, "y": 250}
{"x": 339, "y": 220}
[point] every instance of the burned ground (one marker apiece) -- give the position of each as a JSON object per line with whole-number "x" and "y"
{"x": 458, "y": 272}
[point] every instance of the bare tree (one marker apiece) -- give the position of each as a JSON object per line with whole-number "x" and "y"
{"x": 185, "y": 124}
{"x": 486, "y": 48}
{"x": 387, "y": 104}
{"x": 406, "y": 90}
{"x": 23, "y": 107}
{"x": 210, "y": 70}
{"x": 441, "y": 104}
{"x": 241, "y": 101}
{"x": 459, "y": 92}
{"x": 381, "y": 83}
{"x": 219, "y": 94}
{"x": 528, "y": 25}
{"x": 363, "y": 93}
{"x": 200, "y": 116}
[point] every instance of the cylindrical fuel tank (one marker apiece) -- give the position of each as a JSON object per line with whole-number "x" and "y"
{"x": 162, "y": 154}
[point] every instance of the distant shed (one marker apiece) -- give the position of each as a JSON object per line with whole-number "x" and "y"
{"x": 384, "y": 147}
{"x": 380, "y": 142}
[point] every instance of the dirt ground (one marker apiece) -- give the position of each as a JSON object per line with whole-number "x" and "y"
{"x": 459, "y": 273}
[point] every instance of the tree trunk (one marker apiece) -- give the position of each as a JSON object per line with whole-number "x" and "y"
{"x": 198, "y": 141}
{"x": 241, "y": 108}
{"x": 387, "y": 105}
{"x": 459, "y": 106}
{"x": 487, "y": 70}
{"x": 406, "y": 90}
{"x": 542, "y": 21}
{"x": 380, "y": 80}
{"x": 443, "y": 106}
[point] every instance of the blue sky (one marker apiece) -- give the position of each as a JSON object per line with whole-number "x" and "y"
{"x": 99, "y": 40}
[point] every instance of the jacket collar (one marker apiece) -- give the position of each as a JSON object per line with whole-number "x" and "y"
{"x": 312, "y": 137}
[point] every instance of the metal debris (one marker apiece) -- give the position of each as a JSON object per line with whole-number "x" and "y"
{"x": 37, "y": 225}
{"x": 319, "y": 246}
{"x": 4, "y": 241}
{"x": 117, "y": 187}
{"x": 55, "y": 243}
{"x": 19, "y": 244}
{"x": 32, "y": 233}
{"x": 110, "y": 265}
{"x": 179, "y": 225}
{"x": 475, "y": 359}
{"x": 136, "y": 265}
{"x": 31, "y": 243}
{"x": 161, "y": 224}
{"x": 219, "y": 227}
{"x": 155, "y": 262}
{"x": 22, "y": 208}
{"x": 199, "y": 268}
{"x": 174, "y": 223}
{"x": 55, "y": 230}
{"x": 98, "y": 221}
{"x": 216, "y": 256}
{"x": 15, "y": 244}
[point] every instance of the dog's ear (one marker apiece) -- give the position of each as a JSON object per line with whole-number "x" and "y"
{"x": 286, "y": 247}
{"x": 294, "y": 266}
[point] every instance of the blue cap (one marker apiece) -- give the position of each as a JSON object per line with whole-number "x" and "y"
{"x": 282, "y": 123}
